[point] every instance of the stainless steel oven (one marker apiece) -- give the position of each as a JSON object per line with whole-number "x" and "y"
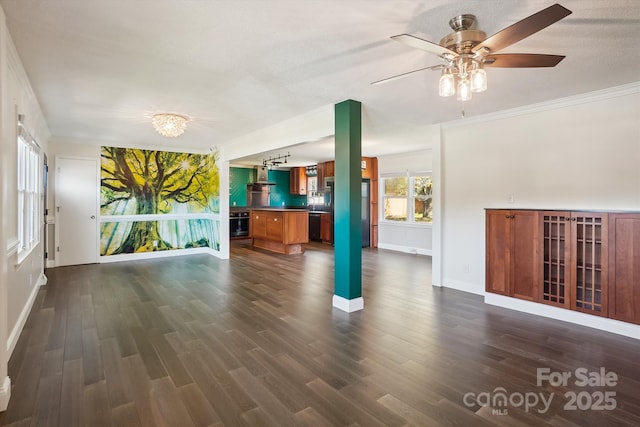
{"x": 239, "y": 223}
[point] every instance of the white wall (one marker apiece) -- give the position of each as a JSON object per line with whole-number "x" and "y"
{"x": 582, "y": 153}
{"x": 411, "y": 238}
{"x": 19, "y": 282}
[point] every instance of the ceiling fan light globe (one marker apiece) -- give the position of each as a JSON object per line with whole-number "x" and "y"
{"x": 478, "y": 80}
{"x": 464, "y": 90}
{"x": 446, "y": 86}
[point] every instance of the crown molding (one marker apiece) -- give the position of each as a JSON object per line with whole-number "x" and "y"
{"x": 613, "y": 92}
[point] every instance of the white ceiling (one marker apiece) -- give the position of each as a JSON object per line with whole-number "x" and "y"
{"x": 100, "y": 67}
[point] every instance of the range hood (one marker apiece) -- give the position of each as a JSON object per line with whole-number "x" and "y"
{"x": 263, "y": 176}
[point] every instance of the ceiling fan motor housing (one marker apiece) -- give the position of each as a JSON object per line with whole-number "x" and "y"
{"x": 465, "y": 35}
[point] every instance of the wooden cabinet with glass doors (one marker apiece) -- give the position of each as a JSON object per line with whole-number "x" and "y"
{"x": 584, "y": 261}
{"x": 574, "y": 260}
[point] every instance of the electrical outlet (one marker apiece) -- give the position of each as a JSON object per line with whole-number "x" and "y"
{"x": 511, "y": 198}
{"x": 466, "y": 268}
{"x": 155, "y": 243}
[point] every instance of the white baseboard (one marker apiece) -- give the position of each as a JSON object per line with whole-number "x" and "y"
{"x": 405, "y": 249}
{"x": 5, "y": 393}
{"x": 159, "y": 254}
{"x": 576, "y": 317}
{"x": 348, "y": 305}
{"x": 472, "y": 288}
{"x": 50, "y": 263}
{"x": 22, "y": 319}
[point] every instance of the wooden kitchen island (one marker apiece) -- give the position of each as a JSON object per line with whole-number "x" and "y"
{"x": 279, "y": 230}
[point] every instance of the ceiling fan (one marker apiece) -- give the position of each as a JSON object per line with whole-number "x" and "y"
{"x": 467, "y": 51}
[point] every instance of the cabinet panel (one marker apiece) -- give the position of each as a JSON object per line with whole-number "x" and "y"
{"x": 298, "y": 181}
{"x": 524, "y": 255}
{"x": 274, "y": 226}
{"x": 321, "y": 174}
{"x": 589, "y": 262}
{"x": 512, "y": 253}
{"x": 624, "y": 264}
{"x": 296, "y": 228}
{"x": 498, "y": 264}
{"x": 258, "y": 226}
{"x": 325, "y": 228}
{"x": 555, "y": 251}
{"x": 367, "y": 171}
{"x": 329, "y": 169}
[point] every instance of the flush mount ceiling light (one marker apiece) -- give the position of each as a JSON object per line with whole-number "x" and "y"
{"x": 169, "y": 124}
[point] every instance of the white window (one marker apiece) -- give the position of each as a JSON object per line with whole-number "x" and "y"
{"x": 408, "y": 198}
{"x": 28, "y": 197}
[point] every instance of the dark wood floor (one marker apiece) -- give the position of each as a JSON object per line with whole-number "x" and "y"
{"x": 254, "y": 341}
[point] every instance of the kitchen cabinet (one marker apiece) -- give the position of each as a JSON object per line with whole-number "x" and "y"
{"x": 258, "y": 225}
{"x": 624, "y": 267}
{"x": 324, "y": 170}
{"x": 320, "y": 174}
{"x": 320, "y": 227}
{"x": 367, "y": 168}
{"x": 275, "y": 226}
{"x": 370, "y": 172}
{"x": 512, "y": 253}
{"x": 298, "y": 181}
{"x": 280, "y": 230}
{"x": 330, "y": 169}
{"x": 326, "y": 228}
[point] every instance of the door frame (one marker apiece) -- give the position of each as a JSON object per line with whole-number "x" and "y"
{"x": 57, "y": 213}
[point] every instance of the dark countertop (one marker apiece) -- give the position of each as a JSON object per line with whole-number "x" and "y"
{"x": 277, "y": 209}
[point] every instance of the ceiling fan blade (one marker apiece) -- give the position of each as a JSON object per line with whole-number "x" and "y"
{"x": 425, "y": 45}
{"x": 524, "y": 28}
{"x": 399, "y": 76}
{"x": 522, "y": 60}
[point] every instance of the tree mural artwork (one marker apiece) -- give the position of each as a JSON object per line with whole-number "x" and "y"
{"x": 156, "y": 182}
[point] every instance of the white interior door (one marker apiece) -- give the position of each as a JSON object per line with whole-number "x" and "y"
{"x": 76, "y": 211}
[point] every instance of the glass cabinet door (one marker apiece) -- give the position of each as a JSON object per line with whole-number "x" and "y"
{"x": 589, "y": 232}
{"x": 556, "y": 253}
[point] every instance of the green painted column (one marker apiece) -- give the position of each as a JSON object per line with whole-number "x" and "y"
{"x": 347, "y": 207}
